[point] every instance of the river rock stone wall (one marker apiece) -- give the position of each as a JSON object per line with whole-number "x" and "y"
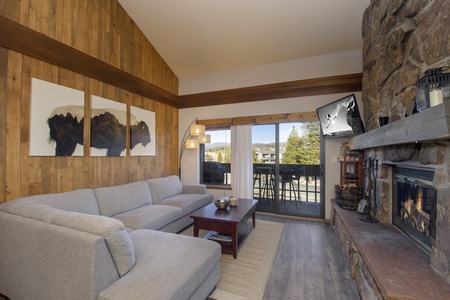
{"x": 403, "y": 39}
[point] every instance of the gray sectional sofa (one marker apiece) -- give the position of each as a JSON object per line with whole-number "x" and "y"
{"x": 107, "y": 243}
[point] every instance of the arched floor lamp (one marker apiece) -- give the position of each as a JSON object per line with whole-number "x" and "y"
{"x": 194, "y": 135}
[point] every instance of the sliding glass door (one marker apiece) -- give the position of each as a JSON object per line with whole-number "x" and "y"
{"x": 286, "y": 168}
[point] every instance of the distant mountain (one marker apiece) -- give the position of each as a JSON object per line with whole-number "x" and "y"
{"x": 222, "y": 144}
{"x": 267, "y": 145}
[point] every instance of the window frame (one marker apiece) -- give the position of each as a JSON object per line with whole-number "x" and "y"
{"x": 226, "y": 123}
{"x": 202, "y": 158}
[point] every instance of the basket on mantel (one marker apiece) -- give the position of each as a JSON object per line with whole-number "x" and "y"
{"x": 348, "y": 195}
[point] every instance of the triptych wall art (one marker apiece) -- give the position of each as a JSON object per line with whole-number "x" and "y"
{"x": 57, "y": 124}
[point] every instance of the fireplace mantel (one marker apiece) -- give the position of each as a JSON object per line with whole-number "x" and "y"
{"x": 431, "y": 124}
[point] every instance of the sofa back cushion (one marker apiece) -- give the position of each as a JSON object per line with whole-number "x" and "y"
{"x": 163, "y": 188}
{"x": 118, "y": 199}
{"x": 82, "y": 201}
{"x": 113, "y": 231}
{"x": 30, "y": 210}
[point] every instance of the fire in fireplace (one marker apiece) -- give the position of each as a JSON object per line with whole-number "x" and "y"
{"x": 414, "y": 205}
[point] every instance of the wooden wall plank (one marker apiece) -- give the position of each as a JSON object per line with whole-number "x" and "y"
{"x": 51, "y": 21}
{"x": 13, "y": 118}
{"x": 92, "y": 29}
{"x": 2, "y": 7}
{"x": 11, "y": 8}
{"x": 25, "y": 124}
{"x": 23, "y": 16}
{"x": 3, "y": 98}
{"x": 81, "y": 42}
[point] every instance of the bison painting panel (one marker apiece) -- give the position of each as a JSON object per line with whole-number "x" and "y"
{"x": 108, "y": 133}
{"x": 140, "y": 134}
{"x": 108, "y": 130}
{"x": 66, "y": 132}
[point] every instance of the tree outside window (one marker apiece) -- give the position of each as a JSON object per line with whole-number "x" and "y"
{"x": 216, "y": 158}
{"x": 303, "y": 149}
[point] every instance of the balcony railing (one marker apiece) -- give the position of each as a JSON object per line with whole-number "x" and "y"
{"x": 295, "y": 182}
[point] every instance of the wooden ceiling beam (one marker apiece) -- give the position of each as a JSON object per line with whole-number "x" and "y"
{"x": 277, "y": 118}
{"x": 299, "y": 88}
{"x": 22, "y": 39}
{"x": 215, "y": 124}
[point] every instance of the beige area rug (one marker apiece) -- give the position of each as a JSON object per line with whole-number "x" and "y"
{"x": 245, "y": 278}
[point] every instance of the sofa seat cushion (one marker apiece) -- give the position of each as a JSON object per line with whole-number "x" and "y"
{"x": 118, "y": 199}
{"x": 82, "y": 201}
{"x": 113, "y": 231}
{"x": 168, "y": 266}
{"x": 162, "y": 188}
{"x": 150, "y": 216}
{"x": 187, "y": 202}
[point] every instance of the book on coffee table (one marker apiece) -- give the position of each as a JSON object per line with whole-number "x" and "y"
{"x": 217, "y": 236}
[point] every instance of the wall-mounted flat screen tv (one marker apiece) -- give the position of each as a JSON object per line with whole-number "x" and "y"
{"x": 341, "y": 118}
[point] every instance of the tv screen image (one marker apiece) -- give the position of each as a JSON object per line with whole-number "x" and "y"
{"x": 341, "y": 118}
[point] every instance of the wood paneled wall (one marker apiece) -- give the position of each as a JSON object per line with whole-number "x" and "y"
{"x": 101, "y": 29}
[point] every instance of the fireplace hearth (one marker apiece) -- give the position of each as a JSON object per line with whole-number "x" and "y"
{"x": 414, "y": 205}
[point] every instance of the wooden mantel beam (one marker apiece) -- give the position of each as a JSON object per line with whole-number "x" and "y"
{"x": 299, "y": 88}
{"x": 22, "y": 39}
{"x": 430, "y": 125}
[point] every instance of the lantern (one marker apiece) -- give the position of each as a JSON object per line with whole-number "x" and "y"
{"x": 433, "y": 88}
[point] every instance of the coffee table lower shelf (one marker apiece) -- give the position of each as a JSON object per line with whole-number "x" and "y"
{"x": 235, "y": 221}
{"x": 243, "y": 231}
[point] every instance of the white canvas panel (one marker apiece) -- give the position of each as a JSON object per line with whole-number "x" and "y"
{"x": 46, "y": 100}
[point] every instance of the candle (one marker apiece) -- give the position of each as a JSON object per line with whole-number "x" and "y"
{"x": 436, "y": 97}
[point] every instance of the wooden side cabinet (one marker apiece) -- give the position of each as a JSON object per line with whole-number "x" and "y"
{"x": 351, "y": 167}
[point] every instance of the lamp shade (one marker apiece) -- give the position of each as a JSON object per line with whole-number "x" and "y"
{"x": 204, "y": 139}
{"x": 191, "y": 144}
{"x": 197, "y": 129}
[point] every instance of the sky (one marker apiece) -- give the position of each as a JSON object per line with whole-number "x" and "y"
{"x": 261, "y": 133}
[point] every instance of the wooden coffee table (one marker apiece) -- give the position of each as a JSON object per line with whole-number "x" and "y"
{"x": 234, "y": 220}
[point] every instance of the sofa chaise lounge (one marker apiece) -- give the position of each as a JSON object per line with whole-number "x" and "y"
{"x": 107, "y": 243}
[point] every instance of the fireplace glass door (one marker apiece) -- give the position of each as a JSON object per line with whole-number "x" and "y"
{"x": 414, "y": 207}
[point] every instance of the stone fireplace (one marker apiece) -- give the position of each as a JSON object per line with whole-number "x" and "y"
{"x": 418, "y": 170}
{"x": 403, "y": 39}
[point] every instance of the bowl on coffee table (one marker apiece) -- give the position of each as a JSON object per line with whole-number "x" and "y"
{"x": 222, "y": 203}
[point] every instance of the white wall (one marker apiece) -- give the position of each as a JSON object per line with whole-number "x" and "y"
{"x": 313, "y": 67}
{"x": 321, "y": 66}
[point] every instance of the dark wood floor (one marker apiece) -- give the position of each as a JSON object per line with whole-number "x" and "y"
{"x": 309, "y": 263}
{"x": 290, "y": 208}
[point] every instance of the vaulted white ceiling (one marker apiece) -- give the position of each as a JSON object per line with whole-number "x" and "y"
{"x": 200, "y": 37}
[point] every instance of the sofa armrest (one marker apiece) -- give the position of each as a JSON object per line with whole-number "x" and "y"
{"x": 191, "y": 188}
